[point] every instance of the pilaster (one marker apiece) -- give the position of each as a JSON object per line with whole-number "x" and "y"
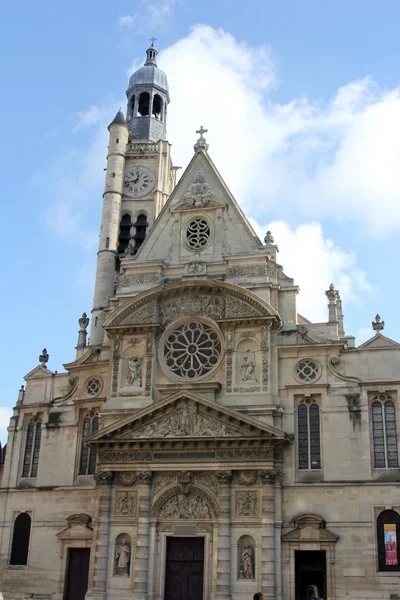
{"x": 223, "y": 588}
{"x": 142, "y": 566}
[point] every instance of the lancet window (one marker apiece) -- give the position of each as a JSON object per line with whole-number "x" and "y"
{"x": 384, "y": 431}
{"x": 87, "y": 463}
{"x": 308, "y": 433}
{"x": 32, "y": 448}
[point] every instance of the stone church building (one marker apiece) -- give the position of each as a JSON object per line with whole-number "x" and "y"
{"x": 208, "y": 441}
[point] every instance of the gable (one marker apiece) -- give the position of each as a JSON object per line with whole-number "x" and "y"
{"x": 39, "y": 372}
{"x": 200, "y": 193}
{"x": 378, "y": 341}
{"x": 219, "y": 301}
{"x": 186, "y": 415}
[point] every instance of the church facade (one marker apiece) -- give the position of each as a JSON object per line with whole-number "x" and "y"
{"x": 208, "y": 442}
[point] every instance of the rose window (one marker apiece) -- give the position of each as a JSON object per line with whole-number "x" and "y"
{"x": 307, "y": 370}
{"x": 192, "y": 350}
{"x": 198, "y": 233}
{"x": 93, "y": 386}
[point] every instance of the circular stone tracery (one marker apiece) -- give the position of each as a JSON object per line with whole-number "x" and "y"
{"x": 198, "y": 233}
{"x": 192, "y": 350}
{"x": 307, "y": 370}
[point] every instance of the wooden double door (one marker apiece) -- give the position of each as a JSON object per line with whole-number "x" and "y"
{"x": 184, "y": 568}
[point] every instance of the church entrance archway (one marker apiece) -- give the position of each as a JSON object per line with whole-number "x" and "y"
{"x": 310, "y": 569}
{"x": 77, "y": 573}
{"x": 184, "y": 572}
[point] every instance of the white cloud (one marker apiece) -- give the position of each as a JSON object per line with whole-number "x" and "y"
{"x": 314, "y": 262}
{"x": 127, "y": 21}
{"x": 150, "y": 14}
{"x": 336, "y": 159}
{"x": 5, "y": 415}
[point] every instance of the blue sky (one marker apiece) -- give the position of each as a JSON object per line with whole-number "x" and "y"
{"x": 302, "y": 104}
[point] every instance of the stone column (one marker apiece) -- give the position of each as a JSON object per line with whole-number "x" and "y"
{"x": 278, "y": 535}
{"x": 141, "y": 576}
{"x": 268, "y": 558}
{"x": 98, "y": 587}
{"x": 223, "y": 587}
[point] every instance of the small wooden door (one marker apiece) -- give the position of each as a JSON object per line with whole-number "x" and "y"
{"x": 77, "y": 573}
{"x": 184, "y": 569}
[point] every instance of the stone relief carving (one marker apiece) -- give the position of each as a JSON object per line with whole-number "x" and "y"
{"x": 247, "y": 369}
{"x": 198, "y": 194}
{"x": 245, "y": 478}
{"x": 196, "y": 267}
{"x": 266, "y": 476}
{"x": 224, "y": 477}
{"x": 124, "y": 280}
{"x": 143, "y": 313}
{"x": 191, "y": 305}
{"x": 149, "y": 363}
{"x": 265, "y": 344}
{"x": 115, "y": 364}
{"x": 125, "y": 479}
{"x": 247, "y": 390}
{"x": 245, "y": 272}
{"x": 246, "y": 504}
{"x": 185, "y": 420}
{"x": 237, "y": 308}
{"x": 162, "y": 481}
{"x": 246, "y": 570}
{"x": 123, "y": 456}
{"x": 103, "y": 478}
{"x": 125, "y": 504}
{"x": 208, "y": 480}
{"x": 135, "y": 371}
{"x": 182, "y": 506}
{"x": 122, "y": 557}
{"x": 144, "y": 478}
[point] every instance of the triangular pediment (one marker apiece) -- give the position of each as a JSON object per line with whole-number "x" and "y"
{"x": 378, "y": 341}
{"x": 185, "y": 415}
{"x": 200, "y": 193}
{"x": 310, "y": 528}
{"x": 39, "y": 372}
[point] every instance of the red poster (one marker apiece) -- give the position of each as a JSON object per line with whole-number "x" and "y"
{"x": 390, "y": 537}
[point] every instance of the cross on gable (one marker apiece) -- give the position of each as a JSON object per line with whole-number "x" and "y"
{"x": 201, "y": 131}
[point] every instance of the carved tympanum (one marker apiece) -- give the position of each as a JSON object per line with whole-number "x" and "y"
{"x": 182, "y": 506}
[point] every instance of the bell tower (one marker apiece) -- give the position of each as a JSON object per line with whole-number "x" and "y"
{"x": 139, "y": 179}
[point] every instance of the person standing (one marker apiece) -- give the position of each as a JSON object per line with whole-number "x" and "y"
{"x": 312, "y": 593}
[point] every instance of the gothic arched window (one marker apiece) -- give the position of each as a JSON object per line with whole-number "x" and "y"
{"x": 157, "y": 107}
{"x": 32, "y": 448}
{"x": 308, "y": 432}
{"x": 124, "y": 233}
{"x": 20, "y": 540}
{"x": 87, "y": 463}
{"x": 384, "y": 432}
{"x": 388, "y": 537}
{"x": 141, "y": 225}
{"x": 144, "y": 104}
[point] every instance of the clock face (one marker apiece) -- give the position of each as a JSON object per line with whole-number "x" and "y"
{"x": 138, "y": 181}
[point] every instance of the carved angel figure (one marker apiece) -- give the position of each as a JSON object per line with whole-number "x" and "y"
{"x": 134, "y": 364}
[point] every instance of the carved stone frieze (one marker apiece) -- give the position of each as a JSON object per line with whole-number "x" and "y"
{"x": 208, "y": 480}
{"x": 245, "y": 272}
{"x": 265, "y": 345}
{"x": 246, "y": 504}
{"x": 124, "y": 280}
{"x": 115, "y": 364}
{"x": 184, "y": 420}
{"x": 144, "y": 478}
{"x": 247, "y": 389}
{"x": 243, "y": 453}
{"x": 192, "y": 304}
{"x": 195, "y": 268}
{"x": 237, "y": 308}
{"x": 125, "y": 479}
{"x": 103, "y": 478}
{"x": 123, "y": 456}
{"x": 266, "y": 476}
{"x": 125, "y": 504}
{"x": 163, "y": 480}
{"x": 185, "y": 506}
{"x": 143, "y": 313}
{"x": 245, "y": 478}
{"x": 149, "y": 363}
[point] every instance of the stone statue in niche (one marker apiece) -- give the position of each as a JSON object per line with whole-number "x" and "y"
{"x": 247, "y": 504}
{"x": 122, "y": 557}
{"x": 247, "y": 562}
{"x": 248, "y": 366}
{"x": 125, "y": 504}
{"x": 135, "y": 371}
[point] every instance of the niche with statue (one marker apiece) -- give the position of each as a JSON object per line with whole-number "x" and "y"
{"x": 122, "y": 555}
{"x": 246, "y": 558}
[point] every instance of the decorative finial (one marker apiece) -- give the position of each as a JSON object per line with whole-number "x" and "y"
{"x": 201, "y": 143}
{"x": 332, "y": 294}
{"x": 153, "y": 39}
{"x": 44, "y": 358}
{"x": 378, "y": 325}
{"x": 83, "y": 322}
{"x": 269, "y": 239}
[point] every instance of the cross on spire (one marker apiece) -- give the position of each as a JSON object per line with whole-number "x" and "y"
{"x": 153, "y": 39}
{"x": 201, "y": 142}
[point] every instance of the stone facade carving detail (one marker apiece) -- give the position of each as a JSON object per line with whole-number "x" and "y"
{"x": 265, "y": 344}
{"x": 124, "y": 280}
{"x": 192, "y": 304}
{"x": 122, "y": 557}
{"x": 266, "y": 477}
{"x": 246, "y": 562}
{"x": 125, "y": 479}
{"x": 103, "y": 478}
{"x": 195, "y": 268}
{"x": 208, "y": 480}
{"x": 224, "y": 477}
{"x": 229, "y": 348}
{"x": 198, "y": 194}
{"x": 272, "y": 268}
{"x": 149, "y": 363}
{"x": 246, "y": 504}
{"x": 115, "y": 365}
{"x": 161, "y": 481}
{"x": 247, "y": 370}
{"x": 124, "y": 456}
{"x": 185, "y": 420}
{"x": 245, "y": 478}
{"x": 182, "y": 506}
{"x": 135, "y": 371}
{"x": 125, "y": 504}
{"x": 247, "y": 390}
{"x": 236, "y": 308}
{"x": 142, "y": 314}
{"x": 245, "y": 272}
{"x": 239, "y": 453}
{"x": 144, "y": 478}
{"x": 185, "y": 479}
